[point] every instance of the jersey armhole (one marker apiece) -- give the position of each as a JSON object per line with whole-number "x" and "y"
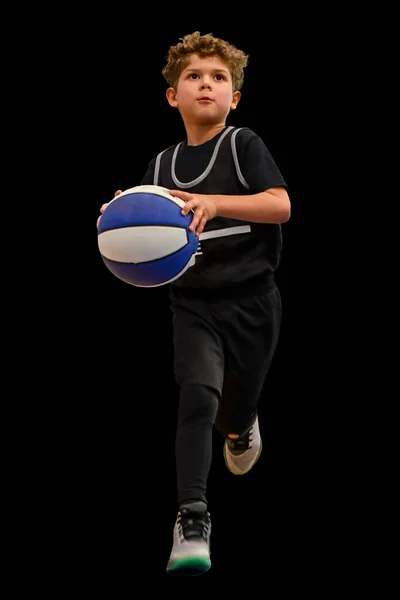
{"x": 157, "y": 167}
{"x": 236, "y": 160}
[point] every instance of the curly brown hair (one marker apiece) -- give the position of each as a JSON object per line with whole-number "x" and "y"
{"x": 204, "y": 45}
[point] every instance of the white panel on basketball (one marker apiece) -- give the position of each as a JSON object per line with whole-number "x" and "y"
{"x": 151, "y": 189}
{"x": 130, "y": 244}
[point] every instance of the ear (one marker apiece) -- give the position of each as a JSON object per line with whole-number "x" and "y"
{"x": 171, "y": 97}
{"x": 235, "y": 99}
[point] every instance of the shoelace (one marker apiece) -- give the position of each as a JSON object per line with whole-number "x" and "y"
{"x": 241, "y": 444}
{"x": 194, "y": 525}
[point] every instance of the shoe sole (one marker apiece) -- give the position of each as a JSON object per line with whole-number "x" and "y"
{"x": 189, "y": 566}
{"x": 247, "y": 470}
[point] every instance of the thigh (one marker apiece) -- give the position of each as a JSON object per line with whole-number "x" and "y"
{"x": 198, "y": 349}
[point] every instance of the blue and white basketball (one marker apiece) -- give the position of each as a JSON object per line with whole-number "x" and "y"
{"x": 143, "y": 238}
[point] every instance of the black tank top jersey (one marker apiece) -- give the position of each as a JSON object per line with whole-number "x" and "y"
{"x": 235, "y": 162}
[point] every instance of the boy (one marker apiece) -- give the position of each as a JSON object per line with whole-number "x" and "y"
{"x": 226, "y": 309}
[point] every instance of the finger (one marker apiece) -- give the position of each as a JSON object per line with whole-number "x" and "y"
{"x": 186, "y": 208}
{"x": 117, "y": 193}
{"x": 190, "y": 205}
{"x": 193, "y": 224}
{"x": 179, "y": 193}
{"x": 201, "y": 226}
{"x": 196, "y": 219}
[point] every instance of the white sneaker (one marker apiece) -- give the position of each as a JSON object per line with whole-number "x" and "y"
{"x": 190, "y": 554}
{"x": 242, "y": 453}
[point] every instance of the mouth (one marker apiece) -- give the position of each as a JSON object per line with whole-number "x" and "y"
{"x": 204, "y": 99}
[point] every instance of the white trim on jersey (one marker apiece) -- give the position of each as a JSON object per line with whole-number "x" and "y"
{"x": 209, "y": 235}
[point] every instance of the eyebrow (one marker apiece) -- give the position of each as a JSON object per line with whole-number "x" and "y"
{"x": 212, "y": 70}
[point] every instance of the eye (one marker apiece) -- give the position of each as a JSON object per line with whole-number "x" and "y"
{"x": 220, "y": 77}
{"x": 193, "y": 75}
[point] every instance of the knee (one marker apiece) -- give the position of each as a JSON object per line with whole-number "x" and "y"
{"x": 197, "y": 403}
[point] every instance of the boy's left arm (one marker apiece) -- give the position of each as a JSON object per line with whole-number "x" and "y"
{"x": 271, "y": 206}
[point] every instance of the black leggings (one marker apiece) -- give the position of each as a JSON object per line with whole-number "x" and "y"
{"x": 198, "y": 405}
{"x": 222, "y": 354}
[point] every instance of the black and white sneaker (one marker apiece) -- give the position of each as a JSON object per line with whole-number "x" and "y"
{"x": 242, "y": 453}
{"x": 190, "y": 554}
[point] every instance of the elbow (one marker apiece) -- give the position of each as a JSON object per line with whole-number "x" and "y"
{"x": 281, "y": 206}
{"x": 286, "y": 211}
{"x": 283, "y": 211}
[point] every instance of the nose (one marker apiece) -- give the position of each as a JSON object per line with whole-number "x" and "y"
{"x": 205, "y": 83}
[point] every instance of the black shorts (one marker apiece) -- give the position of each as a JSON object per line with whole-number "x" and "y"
{"x": 227, "y": 344}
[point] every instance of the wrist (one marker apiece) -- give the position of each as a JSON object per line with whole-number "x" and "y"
{"x": 217, "y": 204}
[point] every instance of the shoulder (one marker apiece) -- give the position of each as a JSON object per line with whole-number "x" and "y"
{"x": 247, "y": 139}
{"x": 244, "y": 134}
{"x": 159, "y": 154}
{"x": 168, "y": 149}
{"x": 250, "y": 146}
{"x": 157, "y": 158}
{"x": 256, "y": 162}
{"x": 154, "y": 164}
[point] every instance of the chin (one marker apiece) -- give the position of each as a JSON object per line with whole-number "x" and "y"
{"x": 209, "y": 119}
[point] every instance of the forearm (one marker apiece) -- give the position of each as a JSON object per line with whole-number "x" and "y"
{"x": 265, "y": 207}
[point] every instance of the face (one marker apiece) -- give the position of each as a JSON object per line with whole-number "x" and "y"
{"x": 204, "y": 93}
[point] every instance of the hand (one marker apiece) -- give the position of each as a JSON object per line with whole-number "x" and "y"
{"x": 203, "y": 206}
{"x": 104, "y": 206}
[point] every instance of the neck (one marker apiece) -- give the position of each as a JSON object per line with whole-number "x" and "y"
{"x": 199, "y": 134}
